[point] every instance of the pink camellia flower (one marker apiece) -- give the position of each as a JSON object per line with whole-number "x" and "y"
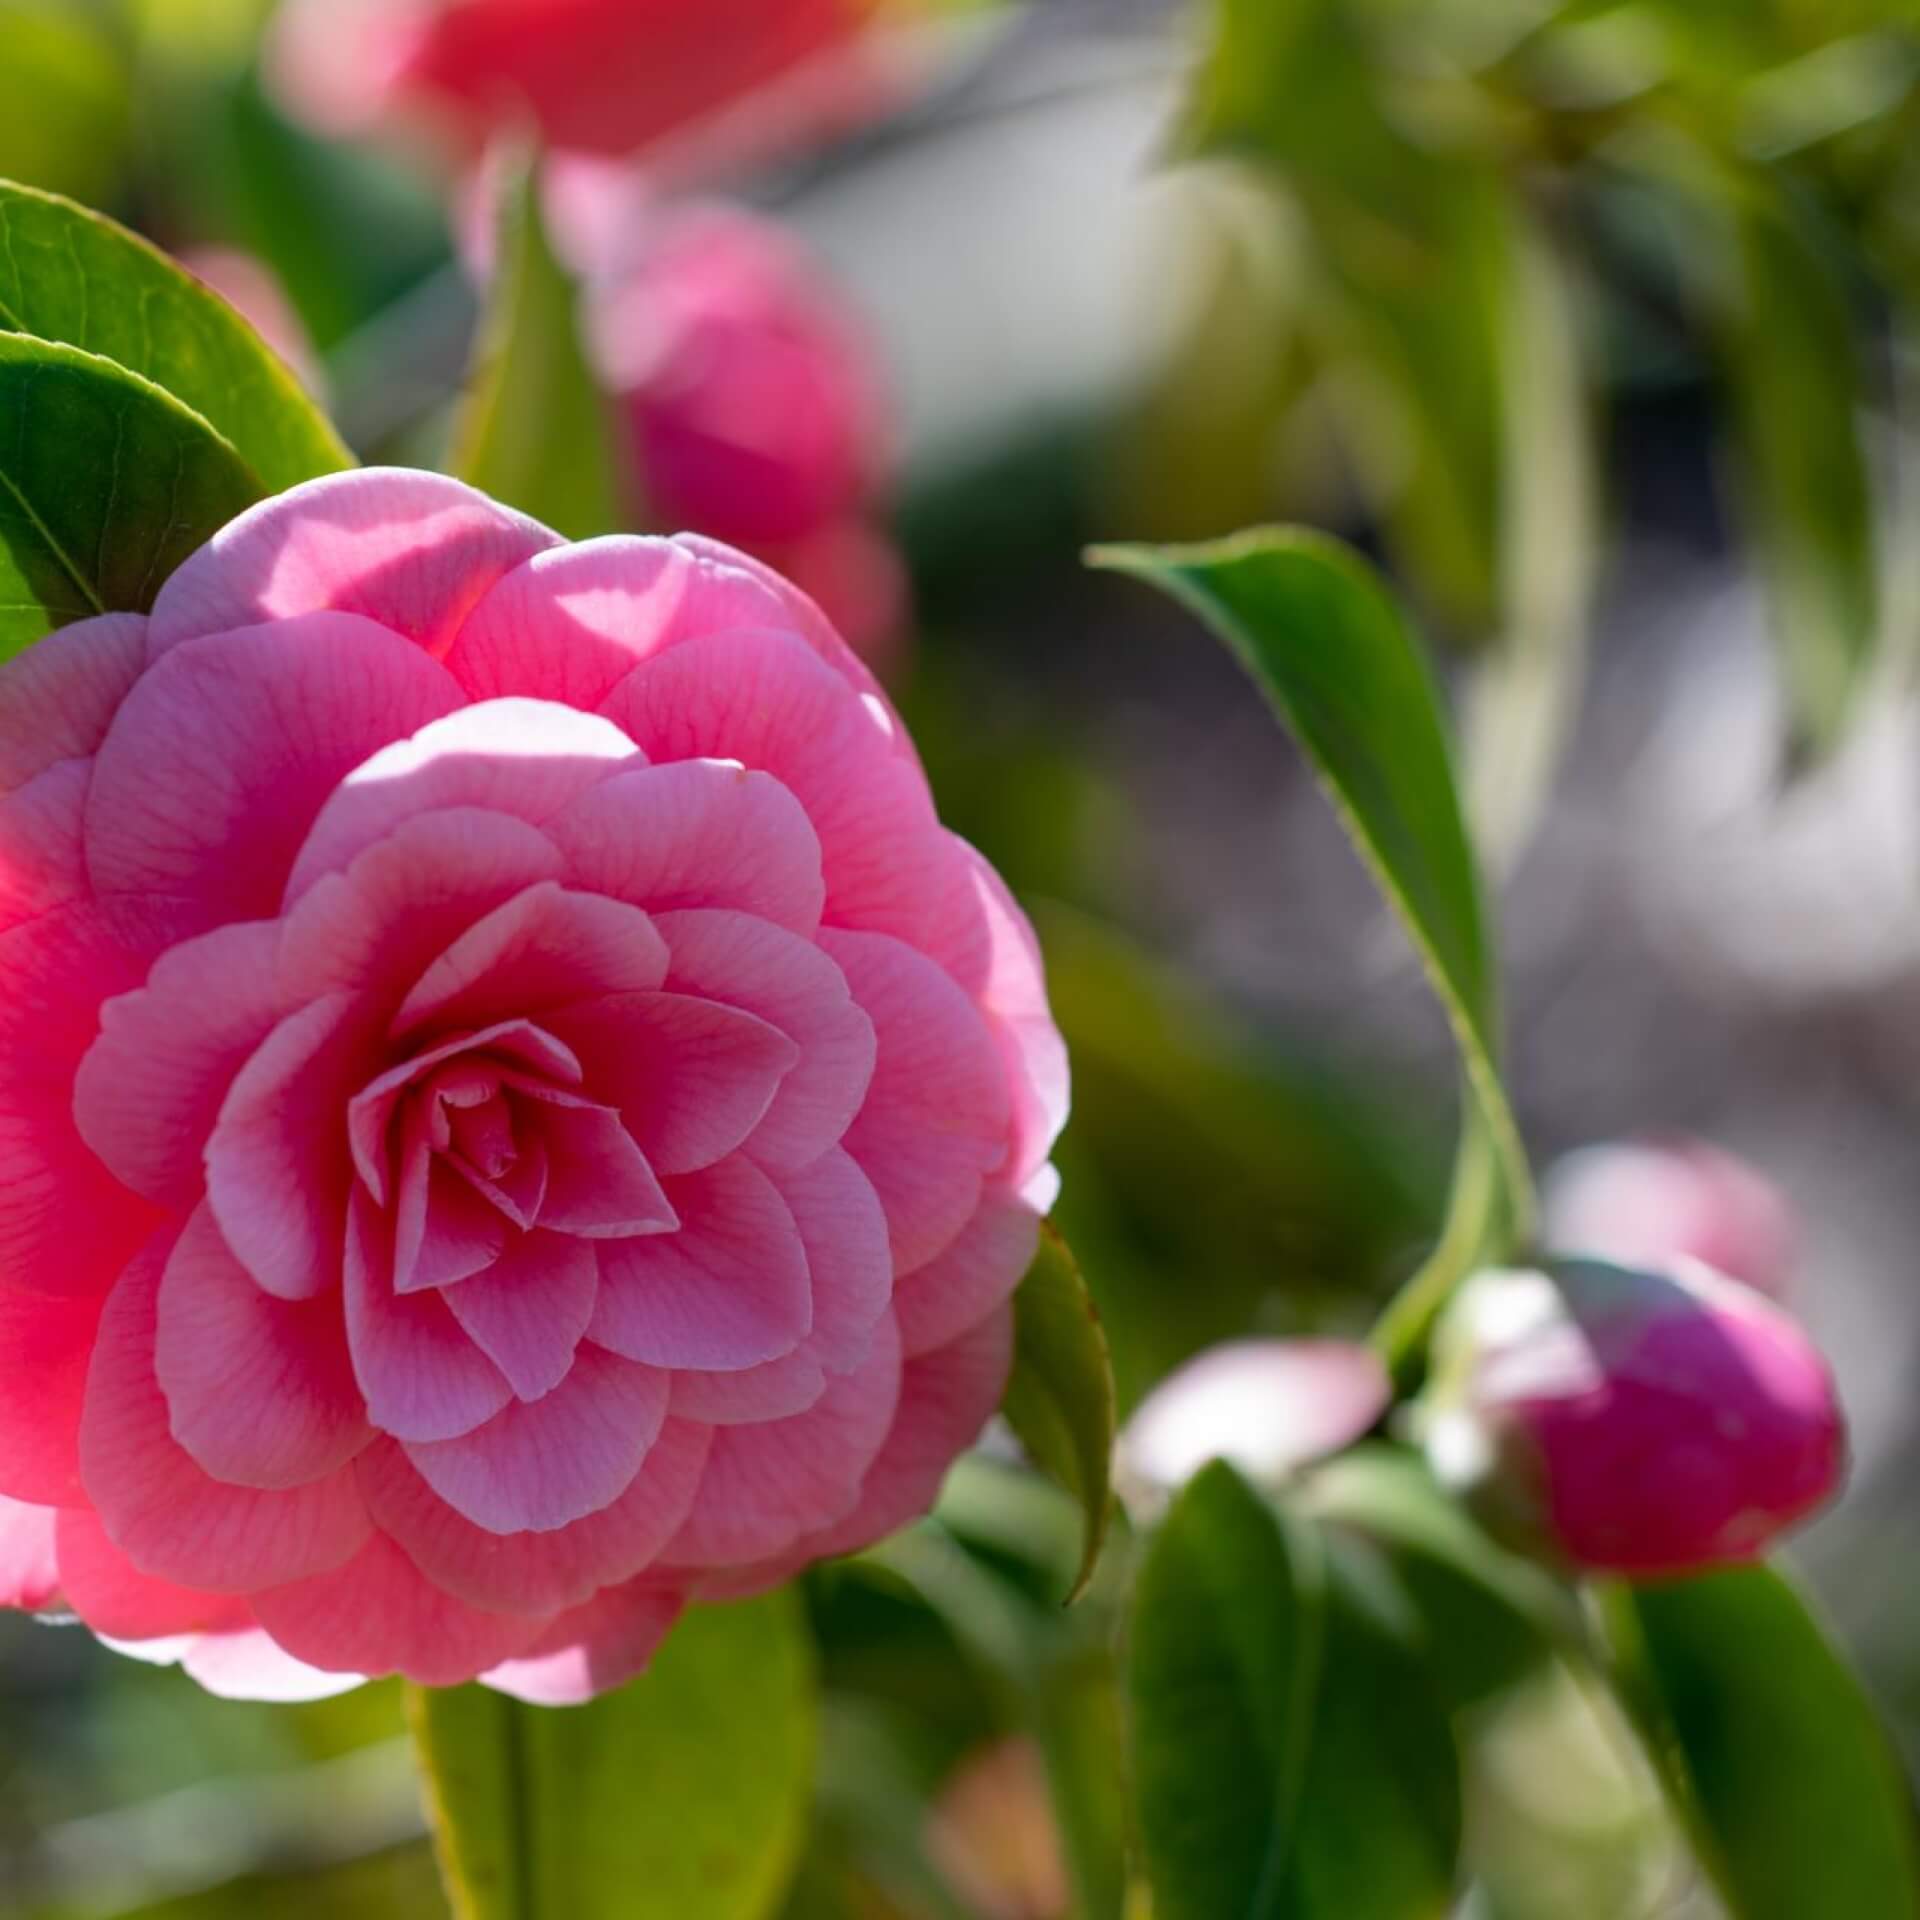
{"x": 515, "y": 1113}
{"x": 753, "y": 402}
{"x": 594, "y": 76}
{"x": 1649, "y": 1423}
{"x": 1641, "y": 1202}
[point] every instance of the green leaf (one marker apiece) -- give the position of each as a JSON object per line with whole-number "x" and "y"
{"x": 71, "y": 275}
{"x": 1290, "y": 1762}
{"x": 1776, "y": 1759}
{"x": 1060, "y": 1400}
{"x": 1796, "y": 381}
{"x": 682, "y": 1796}
{"x": 1324, "y": 641}
{"x": 106, "y": 484}
{"x": 64, "y": 101}
{"x": 536, "y": 431}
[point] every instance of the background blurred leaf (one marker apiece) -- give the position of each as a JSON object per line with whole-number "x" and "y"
{"x": 536, "y": 431}
{"x": 1325, "y": 642}
{"x": 682, "y": 1795}
{"x": 1060, "y": 1398}
{"x": 106, "y": 484}
{"x": 1779, "y": 1761}
{"x": 67, "y": 274}
{"x": 1290, "y": 1763}
{"x": 64, "y": 101}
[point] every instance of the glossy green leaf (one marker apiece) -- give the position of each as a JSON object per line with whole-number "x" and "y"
{"x": 536, "y": 431}
{"x": 1324, "y": 641}
{"x": 71, "y": 275}
{"x": 64, "y": 98}
{"x": 1289, "y": 1759}
{"x": 681, "y": 1796}
{"x": 1775, "y": 1756}
{"x": 1060, "y": 1399}
{"x": 106, "y": 484}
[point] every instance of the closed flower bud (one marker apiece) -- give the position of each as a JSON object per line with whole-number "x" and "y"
{"x": 1644, "y": 1422}
{"x": 1644, "y": 1201}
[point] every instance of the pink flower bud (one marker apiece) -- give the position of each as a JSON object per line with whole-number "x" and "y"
{"x": 1645, "y": 1201}
{"x": 1651, "y": 1423}
{"x": 1269, "y": 1406}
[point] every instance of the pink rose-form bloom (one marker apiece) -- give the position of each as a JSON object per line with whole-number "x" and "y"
{"x": 1651, "y": 1423}
{"x": 514, "y": 1112}
{"x": 752, "y": 398}
{"x": 1642, "y": 1202}
{"x": 735, "y": 77}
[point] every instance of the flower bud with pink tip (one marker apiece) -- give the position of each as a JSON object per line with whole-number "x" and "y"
{"x": 1652, "y": 1423}
{"x": 1647, "y": 1200}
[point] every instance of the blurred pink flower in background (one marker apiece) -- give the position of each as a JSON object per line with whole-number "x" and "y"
{"x": 514, "y": 1112}
{"x": 754, "y": 403}
{"x": 724, "y": 82}
{"x": 1642, "y": 1202}
{"x": 1649, "y": 1423}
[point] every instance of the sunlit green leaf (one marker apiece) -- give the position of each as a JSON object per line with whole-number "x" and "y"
{"x": 1776, "y": 1758}
{"x": 682, "y": 1796}
{"x": 1324, "y": 641}
{"x": 106, "y": 484}
{"x": 1289, "y": 1759}
{"x": 1060, "y": 1399}
{"x": 68, "y": 274}
{"x": 536, "y": 430}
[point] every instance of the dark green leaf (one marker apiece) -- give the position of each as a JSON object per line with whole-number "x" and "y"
{"x": 683, "y": 1795}
{"x": 1324, "y": 641}
{"x": 536, "y": 431}
{"x": 63, "y": 98}
{"x": 1290, "y": 1762}
{"x": 106, "y": 484}
{"x": 1060, "y": 1399}
{"x": 1777, "y": 1760}
{"x": 67, "y": 274}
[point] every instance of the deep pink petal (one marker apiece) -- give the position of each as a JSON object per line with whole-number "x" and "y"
{"x": 278, "y": 1170}
{"x": 412, "y": 550}
{"x": 599, "y": 1184}
{"x": 544, "y": 947}
{"x": 850, "y": 1269}
{"x": 29, "y": 1574}
{"x": 997, "y": 959}
{"x": 700, "y": 833}
{"x": 729, "y": 1290}
{"x": 259, "y": 1390}
{"x": 960, "y": 1286}
{"x": 379, "y": 1614}
{"x": 221, "y": 756}
{"x": 378, "y": 924}
{"x": 43, "y": 861}
{"x": 58, "y": 698}
{"x": 537, "y": 1465}
{"x": 46, "y": 1345}
{"x": 770, "y": 702}
{"x": 592, "y": 1648}
{"x": 151, "y": 1086}
{"x": 66, "y": 1225}
{"x": 444, "y": 1231}
{"x": 571, "y": 623}
{"x": 159, "y": 1506}
{"x": 525, "y": 759}
{"x": 789, "y": 983}
{"x": 117, "y": 1600}
{"x": 537, "y": 1572}
{"x": 421, "y": 1374}
{"x": 527, "y": 1311}
{"x": 767, "y": 1485}
{"x": 936, "y": 1118}
{"x": 691, "y": 1078}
